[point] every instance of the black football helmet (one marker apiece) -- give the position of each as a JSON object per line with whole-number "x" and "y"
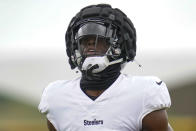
{"x": 106, "y": 22}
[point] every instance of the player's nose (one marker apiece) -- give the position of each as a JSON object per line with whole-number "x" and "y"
{"x": 91, "y": 43}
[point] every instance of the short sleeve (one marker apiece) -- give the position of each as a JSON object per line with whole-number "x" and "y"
{"x": 156, "y": 97}
{"x": 48, "y": 93}
{"x": 43, "y": 106}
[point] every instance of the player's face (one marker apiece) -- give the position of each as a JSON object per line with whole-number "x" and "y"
{"x": 92, "y": 46}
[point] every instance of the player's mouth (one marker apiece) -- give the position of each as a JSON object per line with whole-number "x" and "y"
{"x": 92, "y": 52}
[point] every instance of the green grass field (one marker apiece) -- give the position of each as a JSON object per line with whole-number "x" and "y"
{"x": 183, "y": 123}
{"x": 23, "y": 125}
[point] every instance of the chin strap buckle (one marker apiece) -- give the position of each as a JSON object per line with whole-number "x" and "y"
{"x": 89, "y": 72}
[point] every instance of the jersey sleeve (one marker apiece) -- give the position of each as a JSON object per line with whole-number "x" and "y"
{"x": 46, "y": 103}
{"x": 156, "y": 97}
{"x": 43, "y": 105}
{"x": 50, "y": 91}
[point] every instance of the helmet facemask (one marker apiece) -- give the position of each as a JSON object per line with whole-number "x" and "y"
{"x": 96, "y": 47}
{"x": 91, "y": 45}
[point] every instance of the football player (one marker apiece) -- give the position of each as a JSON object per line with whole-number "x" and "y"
{"x": 100, "y": 40}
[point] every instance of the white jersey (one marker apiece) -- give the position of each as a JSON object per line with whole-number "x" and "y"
{"x": 119, "y": 108}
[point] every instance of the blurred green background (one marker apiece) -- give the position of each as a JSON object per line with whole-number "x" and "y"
{"x": 17, "y": 116}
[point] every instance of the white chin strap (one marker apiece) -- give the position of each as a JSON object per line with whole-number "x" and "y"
{"x": 101, "y": 61}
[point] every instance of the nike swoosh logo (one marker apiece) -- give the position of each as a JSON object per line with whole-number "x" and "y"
{"x": 159, "y": 83}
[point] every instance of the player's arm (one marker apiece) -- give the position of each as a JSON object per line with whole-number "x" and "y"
{"x": 50, "y": 126}
{"x": 156, "y": 121}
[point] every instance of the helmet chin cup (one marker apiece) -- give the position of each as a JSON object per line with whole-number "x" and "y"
{"x": 101, "y": 62}
{"x": 98, "y": 63}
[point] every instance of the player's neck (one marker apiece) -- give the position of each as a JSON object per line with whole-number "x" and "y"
{"x": 94, "y": 93}
{"x": 93, "y": 88}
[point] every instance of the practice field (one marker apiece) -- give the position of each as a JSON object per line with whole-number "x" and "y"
{"x": 23, "y": 125}
{"x": 183, "y": 123}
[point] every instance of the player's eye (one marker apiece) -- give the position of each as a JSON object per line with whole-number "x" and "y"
{"x": 87, "y": 40}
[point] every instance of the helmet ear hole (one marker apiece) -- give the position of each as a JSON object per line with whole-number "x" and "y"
{"x": 131, "y": 54}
